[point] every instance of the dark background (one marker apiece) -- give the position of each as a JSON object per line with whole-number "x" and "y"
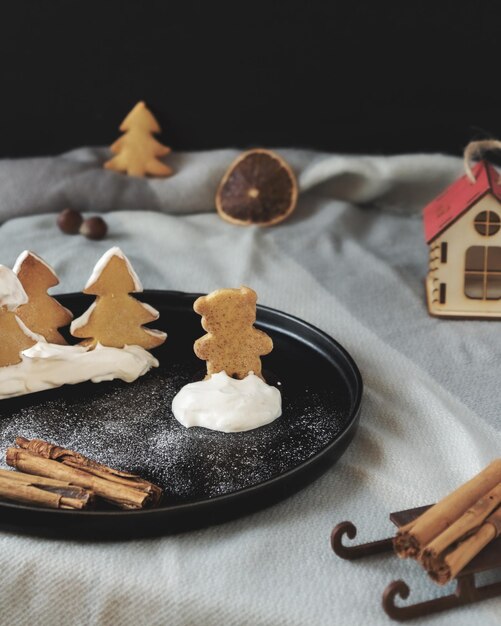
{"x": 366, "y": 77}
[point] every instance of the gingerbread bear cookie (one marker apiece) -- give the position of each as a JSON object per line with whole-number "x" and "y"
{"x": 42, "y": 314}
{"x": 116, "y": 319}
{"x": 231, "y": 344}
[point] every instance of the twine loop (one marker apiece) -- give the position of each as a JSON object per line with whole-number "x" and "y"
{"x": 476, "y": 149}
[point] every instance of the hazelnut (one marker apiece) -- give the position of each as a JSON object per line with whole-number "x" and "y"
{"x": 69, "y": 221}
{"x": 94, "y": 228}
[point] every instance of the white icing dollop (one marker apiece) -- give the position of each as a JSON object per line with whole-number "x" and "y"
{"x": 226, "y": 404}
{"x": 47, "y": 365}
{"x": 12, "y": 293}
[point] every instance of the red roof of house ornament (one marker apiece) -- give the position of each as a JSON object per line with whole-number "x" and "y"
{"x": 458, "y": 198}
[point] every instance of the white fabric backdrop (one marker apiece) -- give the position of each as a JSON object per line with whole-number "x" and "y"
{"x": 351, "y": 260}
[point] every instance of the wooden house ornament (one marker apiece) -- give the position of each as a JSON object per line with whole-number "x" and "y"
{"x": 463, "y": 231}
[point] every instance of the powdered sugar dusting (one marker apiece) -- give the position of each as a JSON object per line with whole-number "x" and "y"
{"x": 131, "y": 427}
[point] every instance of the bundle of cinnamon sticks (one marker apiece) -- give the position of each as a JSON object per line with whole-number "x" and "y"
{"x": 54, "y": 477}
{"x": 451, "y": 533}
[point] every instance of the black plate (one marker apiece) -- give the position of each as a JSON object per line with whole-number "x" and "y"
{"x": 208, "y": 477}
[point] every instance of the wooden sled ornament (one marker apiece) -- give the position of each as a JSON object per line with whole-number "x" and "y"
{"x": 466, "y": 591}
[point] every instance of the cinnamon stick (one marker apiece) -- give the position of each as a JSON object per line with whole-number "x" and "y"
{"x": 125, "y": 496}
{"x": 48, "y": 450}
{"x": 462, "y": 527}
{"x": 414, "y": 536}
{"x": 447, "y": 566}
{"x": 55, "y": 494}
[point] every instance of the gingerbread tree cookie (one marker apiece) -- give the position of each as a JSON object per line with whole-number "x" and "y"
{"x": 115, "y": 319}
{"x": 15, "y": 336}
{"x": 231, "y": 344}
{"x": 41, "y": 314}
{"x": 137, "y": 150}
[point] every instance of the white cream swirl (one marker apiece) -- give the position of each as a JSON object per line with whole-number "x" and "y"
{"x": 226, "y": 404}
{"x": 47, "y": 365}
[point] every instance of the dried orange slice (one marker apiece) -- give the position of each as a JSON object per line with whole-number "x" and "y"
{"x": 258, "y": 188}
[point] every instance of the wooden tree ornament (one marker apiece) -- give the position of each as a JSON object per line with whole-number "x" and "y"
{"x": 115, "y": 319}
{"x": 232, "y": 344}
{"x": 137, "y": 151}
{"x": 15, "y": 337}
{"x": 42, "y": 314}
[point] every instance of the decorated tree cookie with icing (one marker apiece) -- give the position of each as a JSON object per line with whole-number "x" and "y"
{"x": 231, "y": 344}
{"x": 137, "y": 151}
{"x": 42, "y": 314}
{"x": 15, "y": 336}
{"x": 116, "y": 318}
{"x": 116, "y": 341}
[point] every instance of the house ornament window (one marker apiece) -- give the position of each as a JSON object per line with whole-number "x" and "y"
{"x": 487, "y": 223}
{"x": 482, "y": 275}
